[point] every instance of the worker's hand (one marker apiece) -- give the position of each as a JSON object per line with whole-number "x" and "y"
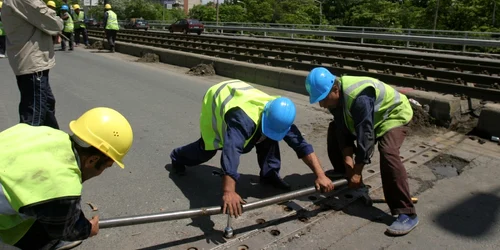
{"x": 232, "y": 203}
{"x": 95, "y": 226}
{"x": 323, "y": 184}
{"x": 355, "y": 181}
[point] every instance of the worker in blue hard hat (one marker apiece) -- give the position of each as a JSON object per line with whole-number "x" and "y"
{"x": 236, "y": 117}
{"x": 69, "y": 28}
{"x": 367, "y": 111}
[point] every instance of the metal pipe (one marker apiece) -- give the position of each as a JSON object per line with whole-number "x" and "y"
{"x": 184, "y": 214}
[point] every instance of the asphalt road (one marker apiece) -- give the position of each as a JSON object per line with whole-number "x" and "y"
{"x": 162, "y": 104}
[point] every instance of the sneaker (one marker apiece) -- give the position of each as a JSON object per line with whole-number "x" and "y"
{"x": 2, "y": 56}
{"x": 403, "y": 225}
{"x": 64, "y": 245}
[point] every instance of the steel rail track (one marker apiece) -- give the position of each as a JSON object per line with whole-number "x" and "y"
{"x": 417, "y": 59}
{"x": 257, "y": 56}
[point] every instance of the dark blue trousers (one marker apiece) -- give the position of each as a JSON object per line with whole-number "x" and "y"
{"x": 268, "y": 155}
{"x": 37, "y": 105}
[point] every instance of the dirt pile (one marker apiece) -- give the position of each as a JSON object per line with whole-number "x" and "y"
{"x": 202, "y": 70}
{"x": 149, "y": 58}
{"x": 421, "y": 119}
{"x": 96, "y": 45}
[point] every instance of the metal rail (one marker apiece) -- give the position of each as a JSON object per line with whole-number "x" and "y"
{"x": 378, "y": 36}
{"x": 306, "y": 61}
{"x": 363, "y": 53}
{"x": 184, "y": 214}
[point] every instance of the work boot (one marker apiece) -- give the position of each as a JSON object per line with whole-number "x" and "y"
{"x": 403, "y": 225}
{"x": 64, "y": 245}
{"x": 178, "y": 168}
{"x": 275, "y": 181}
{"x": 112, "y": 49}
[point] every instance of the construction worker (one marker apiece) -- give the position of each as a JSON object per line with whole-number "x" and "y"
{"x": 367, "y": 111}
{"x": 236, "y": 117}
{"x": 2, "y": 35}
{"x": 43, "y": 179}
{"x": 30, "y": 27}
{"x": 111, "y": 26}
{"x": 80, "y": 28}
{"x": 69, "y": 28}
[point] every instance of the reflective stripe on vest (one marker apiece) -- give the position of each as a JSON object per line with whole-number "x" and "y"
{"x": 387, "y": 100}
{"x": 112, "y": 23}
{"x": 43, "y": 169}
{"x": 80, "y": 18}
{"x": 222, "y": 97}
{"x": 68, "y": 25}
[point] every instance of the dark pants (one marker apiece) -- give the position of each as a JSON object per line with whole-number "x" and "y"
{"x": 69, "y": 35}
{"x": 392, "y": 170}
{"x": 35, "y": 238}
{"x": 37, "y": 105}
{"x": 111, "y": 36}
{"x": 2, "y": 45}
{"x": 82, "y": 31}
{"x": 268, "y": 155}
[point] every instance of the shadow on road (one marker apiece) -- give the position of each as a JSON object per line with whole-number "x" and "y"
{"x": 473, "y": 217}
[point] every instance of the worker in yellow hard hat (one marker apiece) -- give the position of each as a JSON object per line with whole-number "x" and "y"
{"x": 2, "y": 35}
{"x": 41, "y": 174}
{"x": 111, "y": 26}
{"x": 80, "y": 28}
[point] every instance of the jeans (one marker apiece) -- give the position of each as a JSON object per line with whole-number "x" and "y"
{"x": 37, "y": 105}
{"x": 69, "y": 35}
{"x": 82, "y": 31}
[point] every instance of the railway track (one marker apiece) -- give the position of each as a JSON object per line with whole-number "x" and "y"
{"x": 460, "y": 76}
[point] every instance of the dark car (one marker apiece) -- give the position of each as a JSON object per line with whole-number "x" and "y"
{"x": 92, "y": 23}
{"x": 137, "y": 23}
{"x": 187, "y": 26}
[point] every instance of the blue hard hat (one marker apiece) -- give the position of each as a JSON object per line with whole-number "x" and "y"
{"x": 278, "y": 117}
{"x": 64, "y": 7}
{"x": 319, "y": 82}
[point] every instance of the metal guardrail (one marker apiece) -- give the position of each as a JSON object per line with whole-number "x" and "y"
{"x": 377, "y": 36}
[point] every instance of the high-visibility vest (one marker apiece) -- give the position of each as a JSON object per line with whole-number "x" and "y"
{"x": 68, "y": 25}
{"x": 79, "y": 18}
{"x": 37, "y": 163}
{"x": 2, "y": 32}
{"x": 391, "y": 108}
{"x": 222, "y": 97}
{"x": 112, "y": 23}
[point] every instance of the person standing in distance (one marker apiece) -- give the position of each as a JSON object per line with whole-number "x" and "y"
{"x": 111, "y": 26}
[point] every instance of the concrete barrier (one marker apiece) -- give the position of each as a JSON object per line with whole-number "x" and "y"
{"x": 444, "y": 108}
{"x": 489, "y": 120}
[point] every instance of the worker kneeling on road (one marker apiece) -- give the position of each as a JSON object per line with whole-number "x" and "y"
{"x": 235, "y": 117}
{"x": 41, "y": 174}
{"x": 367, "y": 111}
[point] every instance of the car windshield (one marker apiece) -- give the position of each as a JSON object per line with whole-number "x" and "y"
{"x": 194, "y": 22}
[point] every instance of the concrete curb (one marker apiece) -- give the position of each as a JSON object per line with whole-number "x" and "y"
{"x": 489, "y": 120}
{"x": 444, "y": 108}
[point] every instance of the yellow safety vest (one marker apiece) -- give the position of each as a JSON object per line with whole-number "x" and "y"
{"x": 37, "y": 163}
{"x": 68, "y": 25}
{"x": 112, "y": 23}
{"x": 222, "y": 97}
{"x": 79, "y": 18}
{"x": 392, "y": 109}
{"x": 2, "y": 32}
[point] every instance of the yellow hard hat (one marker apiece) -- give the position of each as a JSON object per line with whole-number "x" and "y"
{"x": 1, "y": 3}
{"x": 107, "y": 6}
{"x": 76, "y": 6}
{"x": 105, "y": 129}
{"x": 51, "y": 4}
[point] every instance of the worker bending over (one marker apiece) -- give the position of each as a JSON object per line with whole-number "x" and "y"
{"x": 30, "y": 27}
{"x": 41, "y": 174}
{"x": 235, "y": 117}
{"x": 80, "y": 28}
{"x": 367, "y": 111}
{"x": 69, "y": 28}
{"x": 111, "y": 26}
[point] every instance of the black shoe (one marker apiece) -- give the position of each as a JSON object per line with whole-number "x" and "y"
{"x": 276, "y": 182}
{"x": 178, "y": 168}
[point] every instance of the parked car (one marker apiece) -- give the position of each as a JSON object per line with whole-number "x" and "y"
{"x": 92, "y": 23}
{"x": 187, "y": 26}
{"x": 137, "y": 23}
